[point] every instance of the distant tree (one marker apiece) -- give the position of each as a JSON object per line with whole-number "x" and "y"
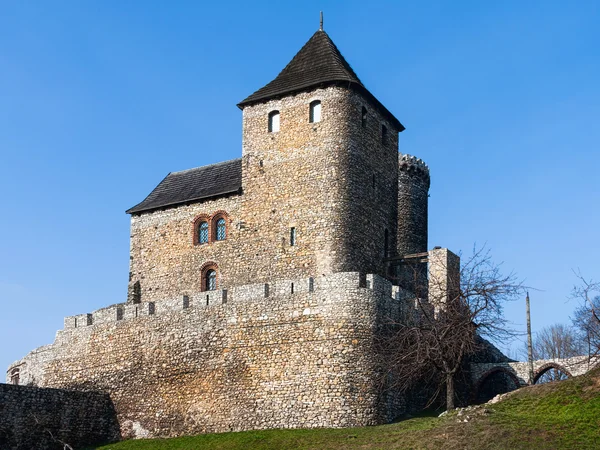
{"x": 431, "y": 345}
{"x": 587, "y": 315}
{"x": 557, "y": 341}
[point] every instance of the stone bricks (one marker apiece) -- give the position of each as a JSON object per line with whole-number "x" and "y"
{"x": 32, "y": 418}
{"x": 305, "y": 359}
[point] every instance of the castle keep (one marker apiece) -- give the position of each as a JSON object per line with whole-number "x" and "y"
{"x": 257, "y": 286}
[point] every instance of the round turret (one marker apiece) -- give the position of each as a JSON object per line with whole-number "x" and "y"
{"x": 413, "y": 193}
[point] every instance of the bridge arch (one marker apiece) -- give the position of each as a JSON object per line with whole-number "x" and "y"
{"x": 491, "y": 372}
{"x": 546, "y": 367}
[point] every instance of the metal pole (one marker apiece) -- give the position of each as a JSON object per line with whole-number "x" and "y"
{"x": 529, "y": 343}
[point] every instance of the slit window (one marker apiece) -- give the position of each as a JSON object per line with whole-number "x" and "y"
{"x": 386, "y": 243}
{"x": 273, "y": 121}
{"x": 383, "y": 134}
{"x": 315, "y": 111}
{"x": 292, "y": 236}
{"x": 363, "y": 117}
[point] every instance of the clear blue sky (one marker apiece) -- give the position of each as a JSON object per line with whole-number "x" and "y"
{"x": 99, "y": 100}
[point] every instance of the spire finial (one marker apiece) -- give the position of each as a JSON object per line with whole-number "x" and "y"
{"x": 321, "y": 22}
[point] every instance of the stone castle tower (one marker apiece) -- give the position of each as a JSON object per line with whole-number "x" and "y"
{"x": 319, "y": 189}
{"x": 258, "y": 285}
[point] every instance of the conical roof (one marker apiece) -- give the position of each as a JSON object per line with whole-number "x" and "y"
{"x": 318, "y": 63}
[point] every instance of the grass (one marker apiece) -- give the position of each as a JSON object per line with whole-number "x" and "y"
{"x": 561, "y": 415}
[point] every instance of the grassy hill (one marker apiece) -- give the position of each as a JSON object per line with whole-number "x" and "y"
{"x": 562, "y": 415}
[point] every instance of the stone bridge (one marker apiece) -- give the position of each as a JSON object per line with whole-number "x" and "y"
{"x": 518, "y": 372}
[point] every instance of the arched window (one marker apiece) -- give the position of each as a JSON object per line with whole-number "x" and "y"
{"x": 273, "y": 121}
{"x": 315, "y": 112}
{"x": 203, "y": 233}
{"x": 211, "y": 280}
{"x": 209, "y": 276}
{"x": 221, "y": 232}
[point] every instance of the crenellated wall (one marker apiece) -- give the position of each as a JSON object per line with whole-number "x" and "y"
{"x": 253, "y": 357}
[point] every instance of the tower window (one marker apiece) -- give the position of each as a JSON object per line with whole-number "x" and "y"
{"x": 315, "y": 112}
{"x": 364, "y": 117}
{"x": 383, "y": 134}
{"x": 221, "y": 229}
{"x": 203, "y": 233}
{"x": 14, "y": 376}
{"x": 386, "y": 243}
{"x": 293, "y": 236}
{"x": 273, "y": 121}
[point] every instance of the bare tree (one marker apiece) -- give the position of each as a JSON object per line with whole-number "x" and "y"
{"x": 557, "y": 341}
{"x": 431, "y": 343}
{"x": 587, "y": 316}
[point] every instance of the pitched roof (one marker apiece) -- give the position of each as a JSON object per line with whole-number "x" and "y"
{"x": 318, "y": 63}
{"x": 193, "y": 185}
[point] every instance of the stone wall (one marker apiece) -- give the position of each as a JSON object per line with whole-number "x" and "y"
{"x": 164, "y": 258}
{"x": 32, "y": 418}
{"x": 295, "y": 353}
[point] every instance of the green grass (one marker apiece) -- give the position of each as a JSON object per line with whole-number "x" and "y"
{"x": 563, "y": 415}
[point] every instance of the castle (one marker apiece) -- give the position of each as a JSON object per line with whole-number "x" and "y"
{"x": 257, "y": 285}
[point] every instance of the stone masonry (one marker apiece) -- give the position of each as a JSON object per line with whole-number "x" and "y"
{"x": 258, "y": 286}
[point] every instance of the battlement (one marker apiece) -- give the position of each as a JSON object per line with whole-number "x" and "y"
{"x": 239, "y": 295}
{"x": 409, "y": 163}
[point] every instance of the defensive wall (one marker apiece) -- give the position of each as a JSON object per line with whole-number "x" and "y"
{"x": 33, "y": 418}
{"x": 294, "y": 353}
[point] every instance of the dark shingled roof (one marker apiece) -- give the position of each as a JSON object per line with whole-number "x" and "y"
{"x": 193, "y": 185}
{"x": 318, "y": 63}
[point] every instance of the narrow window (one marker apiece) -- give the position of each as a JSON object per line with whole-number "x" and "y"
{"x": 266, "y": 290}
{"x": 137, "y": 292}
{"x": 151, "y": 308}
{"x": 186, "y": 302}
{"x": 75, "y": 322}
{"x": 207, "y": 299}
{"x": 273, "y": 121}
{"x": 373, "y": 181}
{"x": 90, "y": 319}
{"x": 386, "y": 243}
{"x": 293, "y": 236}
{"x": 311, "y": 284}
{"x": 315, "y": 111}
{"x": 203, "y": 233}
{"x": 119, "y": 313}
{"x": 292, "y": 289}
{"x": 211, "y": 280}
{"x": 221, "y": 230}
{"x": 364, "y": 117}
{"x": 14, "y": 376}
{"x": 383, "y": 134}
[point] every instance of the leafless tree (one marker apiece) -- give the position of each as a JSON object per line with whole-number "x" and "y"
{"x": 587, "y": 315}
{"x": 556, "y": 341}
{"x": 431, "y": 342}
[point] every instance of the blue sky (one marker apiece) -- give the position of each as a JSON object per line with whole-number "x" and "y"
{"x": 100, "y": 100}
